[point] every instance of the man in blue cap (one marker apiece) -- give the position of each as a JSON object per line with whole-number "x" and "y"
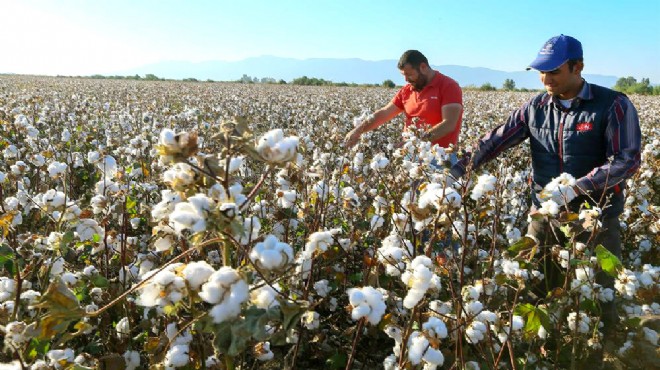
{"x": 585, "y": 130}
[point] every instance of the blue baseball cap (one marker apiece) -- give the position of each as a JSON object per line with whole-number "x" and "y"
{"x": 556, "y": 52}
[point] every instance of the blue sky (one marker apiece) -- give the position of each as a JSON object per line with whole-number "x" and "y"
{"x": 78, "y": 37}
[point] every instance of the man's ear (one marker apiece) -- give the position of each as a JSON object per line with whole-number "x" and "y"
{"x": 579, "y": 66}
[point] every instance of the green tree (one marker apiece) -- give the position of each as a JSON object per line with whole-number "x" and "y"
{"x": 389, "y": 84}
{"x": 487, "y": 87}
{"x": 509, "y": 84}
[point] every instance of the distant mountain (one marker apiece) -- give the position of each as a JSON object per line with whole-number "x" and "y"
{"x": 336, "y": 70}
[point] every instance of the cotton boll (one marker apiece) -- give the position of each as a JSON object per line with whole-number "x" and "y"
{"x": 196, "y": 273}
{"x": 177, "y": 356}
{"x": 132, "y": 359}
{"x": 123, "y": 328}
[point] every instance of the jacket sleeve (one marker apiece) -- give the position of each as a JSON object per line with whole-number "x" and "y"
{"x": 623, "y": 140}
{"x": 503, "y": 137}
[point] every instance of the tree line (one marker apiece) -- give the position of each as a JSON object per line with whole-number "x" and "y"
{"x": 627, "y": 85}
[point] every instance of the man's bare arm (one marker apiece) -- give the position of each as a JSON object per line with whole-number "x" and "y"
{"x": 379, "y": 117}
{"x": 450, "y": 114}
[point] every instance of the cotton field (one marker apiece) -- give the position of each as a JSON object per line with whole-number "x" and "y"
{"x": 170, "y": 225}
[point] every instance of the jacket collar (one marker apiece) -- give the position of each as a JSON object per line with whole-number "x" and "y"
{"x": 584, "y": 94}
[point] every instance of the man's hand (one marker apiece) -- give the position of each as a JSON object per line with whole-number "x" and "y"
{"x": 352, "y": 137}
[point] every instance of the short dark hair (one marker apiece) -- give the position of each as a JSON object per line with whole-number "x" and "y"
{"x": 412, "y": 57}
{"x": 572, "y": 62}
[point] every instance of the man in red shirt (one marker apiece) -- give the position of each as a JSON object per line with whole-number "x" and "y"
{"x": 430, "y": 100}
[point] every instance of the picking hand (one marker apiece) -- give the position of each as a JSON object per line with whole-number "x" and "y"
{"x": 352, "y": 138}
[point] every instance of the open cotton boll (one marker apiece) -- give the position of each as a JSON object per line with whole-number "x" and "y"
{"x": 108, "y": 165}
{"x": 56, "y": 169}
{"x": 319, "y": 242}
{"x": 485, "y": 184}
{"x": 186, "y": 216}
{"x": 271, "y": 254}
{"x": 132, "y": 359}
{"x": 227, "y": 291}
{"x": 87, "y": 228}
{"x": 549, "y": 208}
{"x": 262, "y": 351}
{"x": 177, "y": 356}
{"x": 265, "y": 296}
{"x": 367, "y": 302}
{"x": 560, "y": 189}
{"x": 435, "y": 327}
{"x": 436, "y": 195}
{"x": 196, "y": 273}
{"x": 275, "y": 148}
{"x": 123, "y": 328}
{"x": 418, "y": 278}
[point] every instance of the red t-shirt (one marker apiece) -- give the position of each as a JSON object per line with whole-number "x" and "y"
{"x": 427, "y": 104}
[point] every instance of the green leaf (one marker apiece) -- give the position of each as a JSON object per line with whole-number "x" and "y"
{"x": 337, "y": 361}
{"x": 99, "y": 281}
{"x": 67, "y": 239}
{"x": 607, "y": 261}
{"x": 535, "y": 317}
{"x": 590, "y": 306}
{"x": 130, "y": 204}
{"x": 523, "y": 243}
{"x": 96, "y": 238}
{"x": 37, "y": 348}
{"x": 578, "y": 262}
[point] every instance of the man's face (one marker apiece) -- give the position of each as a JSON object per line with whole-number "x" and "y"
{"x": 415, "y": 76}
{"x": 562, "y": 80}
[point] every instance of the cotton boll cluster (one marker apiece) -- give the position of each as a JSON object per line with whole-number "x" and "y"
{"x": 366, "y": 302}
{"x": 173, "y": 146}
{"x": 61, "y": 358}
{"x": 590, "y": 217}
{"x": 319, "y": 242}
{"x": 162, "y": 289}
{"x": 560, "y": 189}
{"x": 275, "y": 148}
{"x": 549, "y": 208}
{"x": 191, "y": 214}
{"x": 178, "y": 355}
{"x": 437, "y": 195}
{"x": 420, "y": 349}
{"x": 379, "y": 162}
{"x": 226, "y": 290}
{"x": 581, "y": 323}
{"x": 626, "y": 284}
{"x": 419, "y": 278}
{"x": 393, "y": 252}
{"x": 485, "y": 185}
